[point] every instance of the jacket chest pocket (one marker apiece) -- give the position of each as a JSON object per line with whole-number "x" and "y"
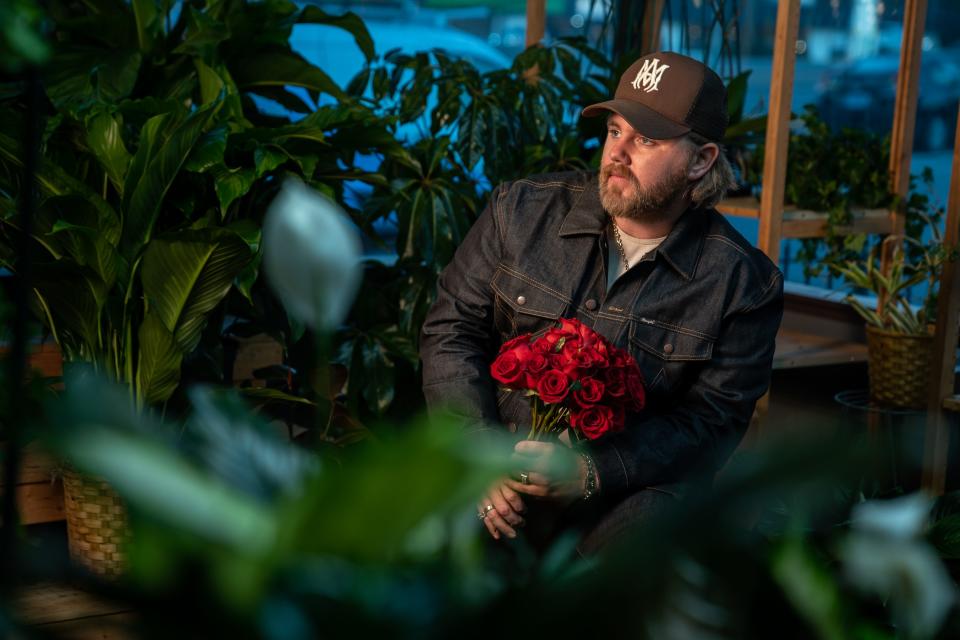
{"x": 668, "y": 356}
{"x": 522, "y": 306}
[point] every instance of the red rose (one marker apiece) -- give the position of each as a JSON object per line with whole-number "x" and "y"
{"x": 553, "y": 386}
{"x": 593, "y": 421}
{"x": 553, "y": 335}
{"x": 569, "y": 327}
{"x": 534, "y": 367}
{"x": 590, "y": 392}
{"x": 510, "y": 344}
{"x": 636, "y": 393}
{"x": 523, "y": 352}
{"x": 602, "y": 351}
{"x": 562, "y": 362}
{"x": 506, "y": 369}
{"x": 616, "y": 382}
{"x": 542, "y": 346}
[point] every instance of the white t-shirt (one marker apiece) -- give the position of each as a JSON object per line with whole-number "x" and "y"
{"x": 635, "y": 248}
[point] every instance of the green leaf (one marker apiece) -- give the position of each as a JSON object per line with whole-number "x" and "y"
{"x": 161, "y": 170}
{"x": 266, "y": 396}
{"x": 117, "y": 75}
{"x": 378, "y": 376}
{"x": 210, "y": 82}
{"x": 736, "y": 96}
{"x": 54, "y": 181}
{"x": 159, "y": 482}
{"x": 185, "y": 275}
{"x": 267, "y": 158}
{"x": 348, "y": 21}
{"x": 944, "y": 535}
{"x": 810, "y": 588}
{"x": 89, "y": 247}
{"x": 147, "y": 18}
{"x": 158, "y": 364}
{"x": 74, "y": 297}
{"x": 104, "y": 136}
{"x": 231, "y": 184}
{"x": 203, "y": 34}
{"x": 283, "y": 68}
{"x": 209, "y": 150}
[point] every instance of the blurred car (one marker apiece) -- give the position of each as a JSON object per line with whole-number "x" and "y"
{"x": 862, "y": 95}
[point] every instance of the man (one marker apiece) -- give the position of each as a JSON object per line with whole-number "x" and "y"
{"x": 638, "y": 253}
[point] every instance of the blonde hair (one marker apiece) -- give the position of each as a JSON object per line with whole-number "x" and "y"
{"x": 713, "y": 186}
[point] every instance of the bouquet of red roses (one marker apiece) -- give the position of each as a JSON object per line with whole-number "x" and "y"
{"x": 574, "y": 377}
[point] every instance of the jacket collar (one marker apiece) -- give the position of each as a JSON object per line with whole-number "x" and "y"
{"x": 683, "y": 244}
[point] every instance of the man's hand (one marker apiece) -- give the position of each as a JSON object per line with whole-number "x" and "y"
{"x": 506, "y": 512}
{"x": 551, "y": 470}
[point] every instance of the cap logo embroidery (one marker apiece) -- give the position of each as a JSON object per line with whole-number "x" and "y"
{"x": 649, "y": 76}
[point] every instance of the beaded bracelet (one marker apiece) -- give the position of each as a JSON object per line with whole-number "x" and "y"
{"x": 590, "y": 486}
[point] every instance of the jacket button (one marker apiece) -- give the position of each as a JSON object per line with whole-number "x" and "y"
{"x": 591, "y": 304}
{"x": 521, "y": 300}
{"x": 668, "y": 348}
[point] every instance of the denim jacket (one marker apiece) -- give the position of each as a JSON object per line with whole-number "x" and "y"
{"x": 699, "y": 314}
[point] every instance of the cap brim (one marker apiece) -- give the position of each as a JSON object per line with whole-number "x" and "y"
{"x": 642, "y": 118}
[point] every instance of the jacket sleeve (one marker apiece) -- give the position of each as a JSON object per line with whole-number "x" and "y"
{"x": 711, "y": 417}
{"x": 457, "y": 340}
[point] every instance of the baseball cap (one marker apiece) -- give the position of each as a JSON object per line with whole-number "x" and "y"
{"x": 665, "y": 95}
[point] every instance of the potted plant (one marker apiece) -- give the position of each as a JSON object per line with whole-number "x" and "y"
{"x": 155, "y": 166}
{"x": 899, "y": 333}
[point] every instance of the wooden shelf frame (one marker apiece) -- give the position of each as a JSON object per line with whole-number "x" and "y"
{"x": 943, "y": 396}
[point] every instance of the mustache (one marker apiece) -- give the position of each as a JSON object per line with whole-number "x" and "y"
{"x": 610, "y": 170}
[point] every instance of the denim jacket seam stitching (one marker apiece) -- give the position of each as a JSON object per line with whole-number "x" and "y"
{"x": 535, "y": 283}
{"x": 727, "y": 242}
{"x": 552, "y": 183}
{"x": 673, "y": 327}
{"x": 763, "y": 294}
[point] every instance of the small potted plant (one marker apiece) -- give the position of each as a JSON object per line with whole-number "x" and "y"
{"x": 899, "y": 333}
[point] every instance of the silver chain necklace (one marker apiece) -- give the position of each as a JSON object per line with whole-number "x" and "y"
{"x": 623, "y": 253}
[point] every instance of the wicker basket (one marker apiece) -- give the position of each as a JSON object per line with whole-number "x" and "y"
{"x": 97, "y": 529}
{"x": 899, "y": 368}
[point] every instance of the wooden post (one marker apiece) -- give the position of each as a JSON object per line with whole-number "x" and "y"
{"x": 650, "y": 30}
{"x": 937, "y": 439}
{"x": 905, "y": 107}
{"x": 778, "y": 128}
{"x": 904, "y": 123}
{"x": 536, "y": 21}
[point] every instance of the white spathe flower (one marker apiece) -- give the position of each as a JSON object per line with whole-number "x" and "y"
{"x": 311, "y": 254}
{"x": 901, "y": 518}
{"x": 886, "y": 554}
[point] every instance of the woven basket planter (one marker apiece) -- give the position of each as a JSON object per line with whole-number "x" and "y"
{"x": 97, "y": 528}
{"x": 899, "y": 368}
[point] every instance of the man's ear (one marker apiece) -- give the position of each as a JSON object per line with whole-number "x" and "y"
{"x": 702, "y": 160}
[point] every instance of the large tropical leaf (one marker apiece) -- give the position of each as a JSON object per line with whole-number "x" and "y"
{"x": 349, "y": 21}
{"x": 54, "y": 181}
{"x": 70, "y": 299}
{"x": 185, "y": 275}
{"x": 160, "y": 170}
{"x": 104, "y": 135}
{"x": 279, "y": 68}
{"x": 158, "y": 364}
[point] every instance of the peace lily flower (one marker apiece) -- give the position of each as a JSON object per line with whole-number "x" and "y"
{"x": 886, "y": 554}
{"x": 311, "y": 254}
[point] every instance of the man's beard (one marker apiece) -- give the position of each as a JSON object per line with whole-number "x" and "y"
{"x": 649, "y": 204}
